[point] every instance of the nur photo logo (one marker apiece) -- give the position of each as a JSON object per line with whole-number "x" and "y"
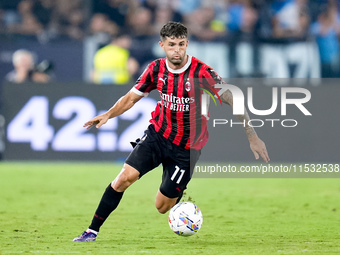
{"x": 295, "y": 96}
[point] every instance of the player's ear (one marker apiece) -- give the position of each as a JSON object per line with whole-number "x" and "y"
{"x": 161, "y": 43}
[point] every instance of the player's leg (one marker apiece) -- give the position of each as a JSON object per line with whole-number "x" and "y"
{"x": 163, "y": 203}
{"x": 113, "y": 194}
{"x": 177, "y": 172}
{"x": 125, "y": 178}
{"x": 109, "y": 201}
{"x": 141, "y": 160}
{"x": 174, "y": 182}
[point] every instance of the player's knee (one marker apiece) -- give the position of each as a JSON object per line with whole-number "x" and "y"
{"x": 163, "y": 209}
{"x": 120, "y": 184}
{"x": 123, "y": 181}
{"x": 164, "y": 203}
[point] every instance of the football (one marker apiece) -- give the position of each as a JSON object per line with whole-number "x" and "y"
{"x": 185, "y": 219}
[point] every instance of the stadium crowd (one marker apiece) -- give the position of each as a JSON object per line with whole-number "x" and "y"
{"x": 274, "y": 21}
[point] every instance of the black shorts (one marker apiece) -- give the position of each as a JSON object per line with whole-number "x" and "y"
{"x": 178, "y": 163}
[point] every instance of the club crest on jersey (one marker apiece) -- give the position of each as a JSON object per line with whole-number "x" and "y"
{"x": 187, "y": 86}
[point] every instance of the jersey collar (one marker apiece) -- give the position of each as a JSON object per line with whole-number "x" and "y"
{"x": 185, "y": 67}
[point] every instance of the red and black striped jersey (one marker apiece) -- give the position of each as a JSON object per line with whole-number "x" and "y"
{"x": 178, "y": 115}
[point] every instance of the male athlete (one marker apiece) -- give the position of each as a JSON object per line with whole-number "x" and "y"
{"x": 177, "y": 132}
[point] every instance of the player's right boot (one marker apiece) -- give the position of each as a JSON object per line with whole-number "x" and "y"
{"x": 87, "y": 236}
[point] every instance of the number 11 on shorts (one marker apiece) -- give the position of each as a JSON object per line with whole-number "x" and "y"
{"x": 175, "y": 174}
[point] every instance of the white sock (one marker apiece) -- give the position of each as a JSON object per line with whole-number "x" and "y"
{"x": 91, "y": 230}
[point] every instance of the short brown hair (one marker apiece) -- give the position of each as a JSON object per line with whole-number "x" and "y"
{"x": 173, "y": 29}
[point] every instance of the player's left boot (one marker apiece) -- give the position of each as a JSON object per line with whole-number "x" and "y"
{"x": 87, "y": 236}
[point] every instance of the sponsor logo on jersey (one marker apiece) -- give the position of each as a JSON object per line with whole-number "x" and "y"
{"x": 175, "y": 103}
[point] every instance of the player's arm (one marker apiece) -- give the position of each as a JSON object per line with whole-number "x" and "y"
{"x": 121, "y": 106}
{"x": 256, "y": 144}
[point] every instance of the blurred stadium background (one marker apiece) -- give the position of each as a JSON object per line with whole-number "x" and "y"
{"x": 238, "y": 38}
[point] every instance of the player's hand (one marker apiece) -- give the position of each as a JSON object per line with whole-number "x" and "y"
{"x": 97, "y": 121}
{"x": 258, "y": 147}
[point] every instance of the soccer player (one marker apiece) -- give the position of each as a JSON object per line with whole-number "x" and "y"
{"x": 177, "y": 132}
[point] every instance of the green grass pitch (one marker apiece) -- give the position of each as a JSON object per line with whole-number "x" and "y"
{"x": 43, "y": 206}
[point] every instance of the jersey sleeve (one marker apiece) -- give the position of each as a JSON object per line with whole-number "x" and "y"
{"x": 212, "y": 78}
{"x": 145, "y": 83}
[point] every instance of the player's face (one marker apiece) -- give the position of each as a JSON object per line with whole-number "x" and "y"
{"x": 175, "y": 50}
